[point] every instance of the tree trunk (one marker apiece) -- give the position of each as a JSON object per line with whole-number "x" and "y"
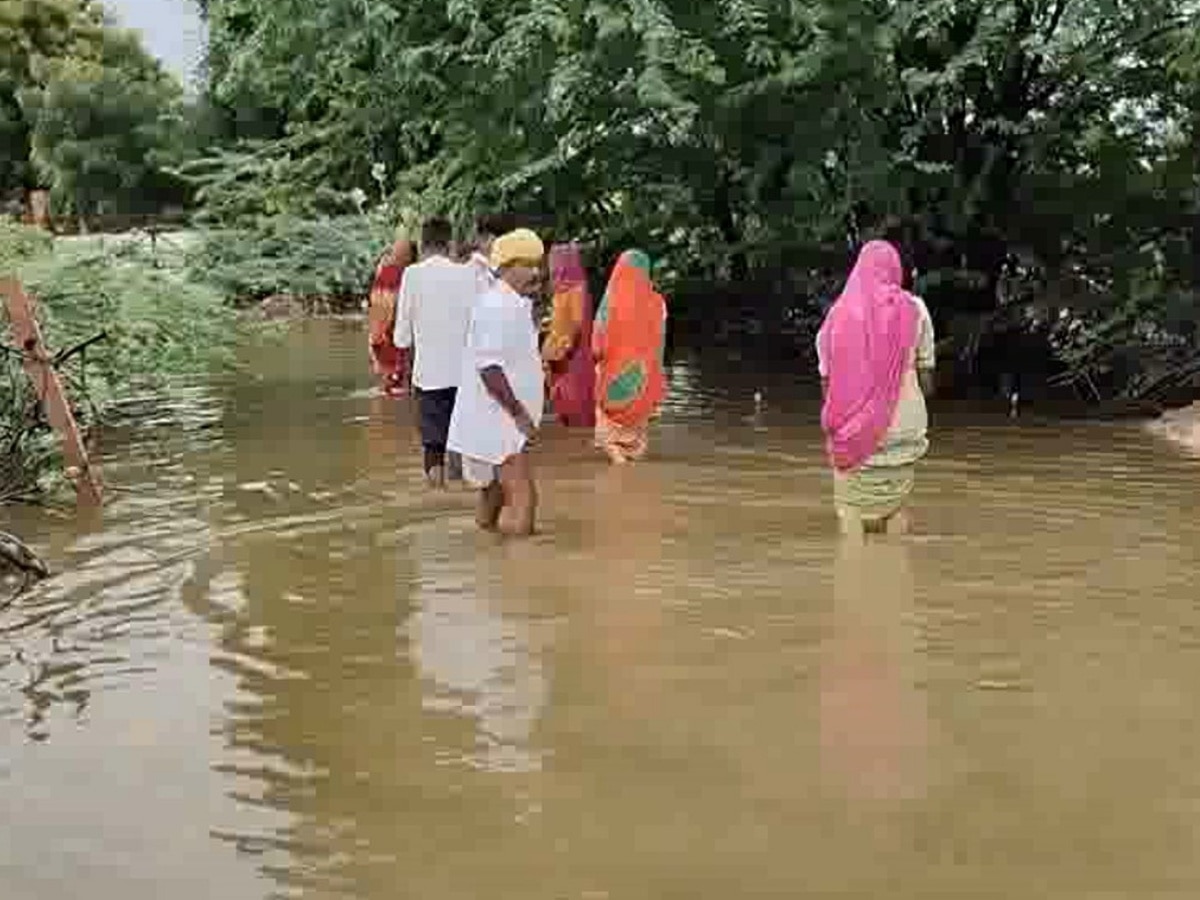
{"x": 739, "y": 265}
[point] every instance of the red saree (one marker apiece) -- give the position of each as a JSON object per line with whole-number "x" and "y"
{"x": 390, "y": 364}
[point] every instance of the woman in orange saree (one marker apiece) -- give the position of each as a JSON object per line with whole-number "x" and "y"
{"x": 628, "y": 341}
{"x": 567, "y": 350}
{"x": 390, "y": 365}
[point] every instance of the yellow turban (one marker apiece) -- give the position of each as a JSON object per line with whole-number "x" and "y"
{"x": 520, "y": 246}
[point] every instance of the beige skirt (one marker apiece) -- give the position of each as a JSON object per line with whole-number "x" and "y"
{"x": 876, "y": 491}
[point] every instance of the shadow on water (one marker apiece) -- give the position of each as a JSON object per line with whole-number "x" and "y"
{"x": 277, "y": 667}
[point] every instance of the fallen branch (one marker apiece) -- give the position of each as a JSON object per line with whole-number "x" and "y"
{"x": 63, "y": 355}
{"x": 29, "y": 496}
{"x": 1168, "y": 380}
{"x": 17, "y": 554}
{"x": 43, "y": 375}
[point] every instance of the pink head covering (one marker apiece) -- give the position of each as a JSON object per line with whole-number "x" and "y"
{"x": 566, "y": 265}
{"x": 866, "y": 342}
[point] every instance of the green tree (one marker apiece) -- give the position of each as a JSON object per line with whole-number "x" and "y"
{"x": 742, "y": 138}
{"x": 104, "y": 130}
{"x": 32, "y": 34}
{"x": 84, "y": 109}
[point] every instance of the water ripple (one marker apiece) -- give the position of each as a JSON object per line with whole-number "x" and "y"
{"x": 278, "y": 667}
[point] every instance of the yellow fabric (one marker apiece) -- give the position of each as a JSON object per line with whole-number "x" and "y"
{"x": 566, "y": 318}
{"x": 521, "y": 245}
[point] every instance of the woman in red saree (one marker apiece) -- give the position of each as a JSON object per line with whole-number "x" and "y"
{"x": 567, "y": 350}
{"x": 628, "y": 341}
{"x": 390, "y": 364}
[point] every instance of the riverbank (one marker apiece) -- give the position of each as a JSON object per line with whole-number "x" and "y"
{"x": 1180, "y": 427}
{"x": 143, "y": 320}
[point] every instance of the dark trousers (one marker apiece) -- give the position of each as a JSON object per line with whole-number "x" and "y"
{"x": 435, "y": 408}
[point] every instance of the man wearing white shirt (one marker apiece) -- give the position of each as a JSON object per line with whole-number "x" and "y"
{"x": 502, "y": 388}
{"x": 433, "y": 310}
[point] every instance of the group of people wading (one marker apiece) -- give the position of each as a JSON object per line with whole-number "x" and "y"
{"x": 460, "y": 330}
{"x": 463, "y": 335}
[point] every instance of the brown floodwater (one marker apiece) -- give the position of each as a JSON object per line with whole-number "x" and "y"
{"x": 277, "y": 667}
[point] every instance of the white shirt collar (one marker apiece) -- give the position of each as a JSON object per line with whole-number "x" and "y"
{"x": 505, "y": 288}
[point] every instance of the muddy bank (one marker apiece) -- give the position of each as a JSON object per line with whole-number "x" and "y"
{"x": 1181, "y": 427}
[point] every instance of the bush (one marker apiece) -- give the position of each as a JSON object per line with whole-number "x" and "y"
{"x": 160, "y": 326}
{"x": 329, "y": 258}
{"x": 19, "y": 244}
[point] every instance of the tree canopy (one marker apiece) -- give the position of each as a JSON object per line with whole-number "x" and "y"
{"x": 734, "y": 128}
{"x": 84, "y": 109}
{"x": 1038, "y": 148}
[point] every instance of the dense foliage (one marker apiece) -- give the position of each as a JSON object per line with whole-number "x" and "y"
{"x": 160, "y": 325}
{"x": 86, "y": 112}
{"x": 327, "y": 258}
{"x": 1044, "y": 150}
{"x": 1043, "y": 153}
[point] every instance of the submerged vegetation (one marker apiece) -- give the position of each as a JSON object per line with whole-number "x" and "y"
{"x": 158, "y": 324}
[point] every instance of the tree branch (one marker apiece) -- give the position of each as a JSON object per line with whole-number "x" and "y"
{"x": 63, "y": 355}
{"x": 1056, "y": 16}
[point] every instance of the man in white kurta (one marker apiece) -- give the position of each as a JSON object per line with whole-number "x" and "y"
{"x": 432, "y": 311}
{"x": 502, "y": 390}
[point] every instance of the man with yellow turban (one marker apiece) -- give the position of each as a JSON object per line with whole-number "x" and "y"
{"x": 502, "y": 389}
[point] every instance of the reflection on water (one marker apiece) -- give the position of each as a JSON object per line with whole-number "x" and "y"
{"x": 279, "y": 668}
{"x": 873, "y": 714}
{"x": 473, "y": 660}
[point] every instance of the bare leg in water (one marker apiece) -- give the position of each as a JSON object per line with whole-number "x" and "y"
{"x": 520, "y": 496}
{"x": 851, "y": 525}
{"x": 900, "y": 523}
{"x": 491, "y": 501}
{"x": 625, "y": 444}
{"x": 435, "y": 466}
{"x": 855, "y": 528}
{"x": 454, "y": 468}
{"x": 509, "y": 504}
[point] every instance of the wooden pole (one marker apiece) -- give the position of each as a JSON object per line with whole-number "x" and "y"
{"x": 39, "y": 366}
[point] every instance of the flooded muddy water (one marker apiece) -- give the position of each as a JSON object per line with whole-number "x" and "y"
{"x": 277, "y": 667}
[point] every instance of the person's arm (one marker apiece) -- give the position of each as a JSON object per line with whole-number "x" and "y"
{"x": 488, "y": 327}
{"x": 927, "y": 381}
{"x": 926, "y": 357}
{"x": 822, "y": 370}
{"x": 497, "y": 385}
{"x": 402, "y": 335}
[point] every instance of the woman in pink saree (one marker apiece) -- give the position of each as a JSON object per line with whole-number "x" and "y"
{"x": 567, "y": 350}
{"x": 876, "y": 357}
